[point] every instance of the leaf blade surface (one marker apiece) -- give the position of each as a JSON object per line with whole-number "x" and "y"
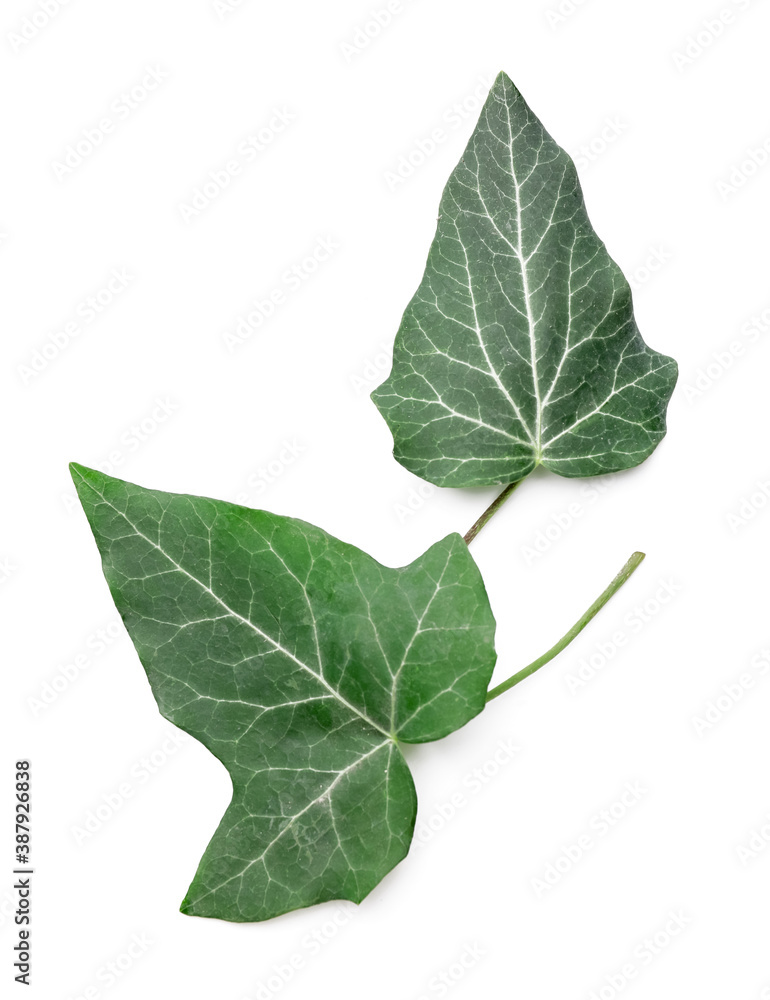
{"x": 520, "y": 347}
{"x": 300, "y": 662}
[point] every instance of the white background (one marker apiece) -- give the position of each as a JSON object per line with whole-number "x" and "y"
{"x": 661, "y": 134}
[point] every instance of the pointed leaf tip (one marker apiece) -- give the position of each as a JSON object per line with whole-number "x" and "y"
{"x": 82, "y": 472}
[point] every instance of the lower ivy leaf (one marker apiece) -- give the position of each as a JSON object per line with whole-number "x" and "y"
{"x": 301, "y": 663}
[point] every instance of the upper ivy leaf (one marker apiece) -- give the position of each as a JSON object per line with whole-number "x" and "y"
{"x": 300, "y": 662}
{"x": 520, "y": 347}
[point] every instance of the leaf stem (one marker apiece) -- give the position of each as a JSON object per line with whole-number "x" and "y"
{"x": 491, "y": 510}
{"x": 576, "y": 629}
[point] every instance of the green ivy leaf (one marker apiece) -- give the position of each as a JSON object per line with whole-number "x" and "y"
{"x": 301, "y": 663}
{"x": 520, "y": 347}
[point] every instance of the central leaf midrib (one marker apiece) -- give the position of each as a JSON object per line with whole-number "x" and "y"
{"x": 525, "y": 290}
{"x": 518, "y": 250}
{"x": 408, "y": 648}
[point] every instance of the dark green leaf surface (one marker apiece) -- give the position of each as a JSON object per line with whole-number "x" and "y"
{"x": 520, "y": 347}
{"x": 300, "y": 662}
